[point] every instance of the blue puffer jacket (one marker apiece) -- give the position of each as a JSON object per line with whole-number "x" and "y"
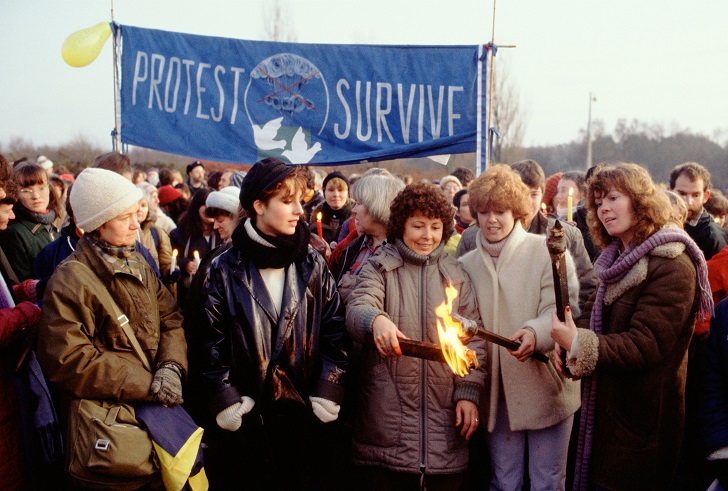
{"x": 713, "y": 407}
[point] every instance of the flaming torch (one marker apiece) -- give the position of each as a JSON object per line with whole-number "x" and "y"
{"x": 451, "y": 349}
{"x": 451, "y": 331}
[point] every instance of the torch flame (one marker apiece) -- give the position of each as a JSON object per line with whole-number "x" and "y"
{"x": 450, "y": 330}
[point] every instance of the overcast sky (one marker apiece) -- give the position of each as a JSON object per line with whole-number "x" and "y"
{"x": 658, "y": 61}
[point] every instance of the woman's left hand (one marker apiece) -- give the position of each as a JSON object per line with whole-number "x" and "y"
{"x": 466, "y": 414}
{"x": 563, "y": 332}
{"x": 528, "y": 344}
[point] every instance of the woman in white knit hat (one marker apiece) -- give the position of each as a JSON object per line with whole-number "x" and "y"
{"x": 82, "y": 346}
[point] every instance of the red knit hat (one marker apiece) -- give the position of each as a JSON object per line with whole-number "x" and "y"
{"x": 167, "y": 194}
{"x": 550, "y": 191}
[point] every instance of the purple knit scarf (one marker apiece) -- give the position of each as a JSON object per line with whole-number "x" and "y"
{"x": 610, "y": 267}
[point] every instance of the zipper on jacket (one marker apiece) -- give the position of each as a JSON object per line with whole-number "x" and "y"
{"x": 423, "y": 378}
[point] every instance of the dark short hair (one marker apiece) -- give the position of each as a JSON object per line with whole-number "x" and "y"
{"x": 165, "y": 177}
{"x": 717, "y": 204}
{"x": 458, "y": 196}
{"x": 213, "y": 180}
{"x": 423, "y": 199}
{"x": 531, "y": 173}
{"x": 113, "y": 161}
{"x": 191, "y": 222}
{"x": 694, "y": 171}
{"x": 194, "y": 164}
{"x": 464, "y": 175}
{"x": 578, "y": 177}
{"x": 310, "y": 177}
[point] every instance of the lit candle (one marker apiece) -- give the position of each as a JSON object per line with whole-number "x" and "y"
{"x": 318, "y": 225}
{"x": 570, "y": 205}
{"x": 543, "y": 208}
{"x": 197, "y": 258}
{"x": 173, "y": 266}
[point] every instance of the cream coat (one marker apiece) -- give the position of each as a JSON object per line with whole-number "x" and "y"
{"x": 519, "y": 292}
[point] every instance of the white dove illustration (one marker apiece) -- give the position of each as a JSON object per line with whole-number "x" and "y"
{"x": 300, "y": 153}
{"x": 264, "y": 136}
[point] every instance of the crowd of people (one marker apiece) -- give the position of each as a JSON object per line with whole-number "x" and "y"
{"x": 278, "y": 307}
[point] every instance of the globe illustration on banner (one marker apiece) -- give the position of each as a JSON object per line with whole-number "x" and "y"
{"x": 287, "y": 103}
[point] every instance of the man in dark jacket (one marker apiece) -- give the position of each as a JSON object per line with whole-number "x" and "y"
{"x": 692, "y": 182}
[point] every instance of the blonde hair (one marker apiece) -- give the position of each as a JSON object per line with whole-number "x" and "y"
{"x": 680, "y": 215}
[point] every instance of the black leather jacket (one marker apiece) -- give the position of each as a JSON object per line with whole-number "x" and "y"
{"x": 250, "y": 351}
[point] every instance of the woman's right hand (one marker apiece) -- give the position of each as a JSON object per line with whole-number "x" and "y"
{"x": 385, "y": 336}
{"x": 191, "y": 267}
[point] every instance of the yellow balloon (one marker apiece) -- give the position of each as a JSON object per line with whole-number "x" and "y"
{"x": 82, "y": 47}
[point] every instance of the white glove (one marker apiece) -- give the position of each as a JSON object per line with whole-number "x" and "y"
{"x": 231, "y": 417}
{"x": 324, "y": 409}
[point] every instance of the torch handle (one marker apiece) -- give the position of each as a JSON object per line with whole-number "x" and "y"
{"x": 508, "y": 343}
{"x": 419, "y": 349}
{"x": 561, "y": 290}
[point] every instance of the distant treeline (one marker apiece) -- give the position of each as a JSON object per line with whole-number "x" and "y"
{"x": 636, "y": 142}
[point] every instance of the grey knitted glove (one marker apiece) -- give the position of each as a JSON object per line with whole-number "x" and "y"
{"x": 167, "y": 385}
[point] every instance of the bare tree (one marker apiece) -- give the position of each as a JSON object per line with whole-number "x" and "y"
{"x": 276, "y": 23}
{"x": 508, "y": 118}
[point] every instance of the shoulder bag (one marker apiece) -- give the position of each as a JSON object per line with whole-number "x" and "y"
{"x": 107, "y": 447}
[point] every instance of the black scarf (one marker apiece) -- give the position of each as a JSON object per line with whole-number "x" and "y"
{"x": 288, "y": 249}
{"x": 335, "y": 218}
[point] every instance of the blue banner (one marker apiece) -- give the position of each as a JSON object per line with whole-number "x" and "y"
{"x": 238, "y": 101}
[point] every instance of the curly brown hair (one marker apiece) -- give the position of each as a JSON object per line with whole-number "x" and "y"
{"x": 651, "y": 207}
{"x": 420, "y": 199}
{"x": 500, "y": 189}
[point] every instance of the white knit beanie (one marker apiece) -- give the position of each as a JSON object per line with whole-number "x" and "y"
{"x": 98, "y": 195}
{"x": 227, "y": 199}
{"x": 44, "y": 162}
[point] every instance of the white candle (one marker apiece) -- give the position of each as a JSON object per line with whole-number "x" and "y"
{"x": 197, "y": 258}
{"x": 570, "y": 205}
{"x": 173, "y": 266}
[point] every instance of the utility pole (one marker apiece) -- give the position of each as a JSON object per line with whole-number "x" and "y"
{"x": 589, "y": 134}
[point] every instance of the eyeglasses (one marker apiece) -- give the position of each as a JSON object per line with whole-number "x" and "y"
{"x": 27, "y": 192}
